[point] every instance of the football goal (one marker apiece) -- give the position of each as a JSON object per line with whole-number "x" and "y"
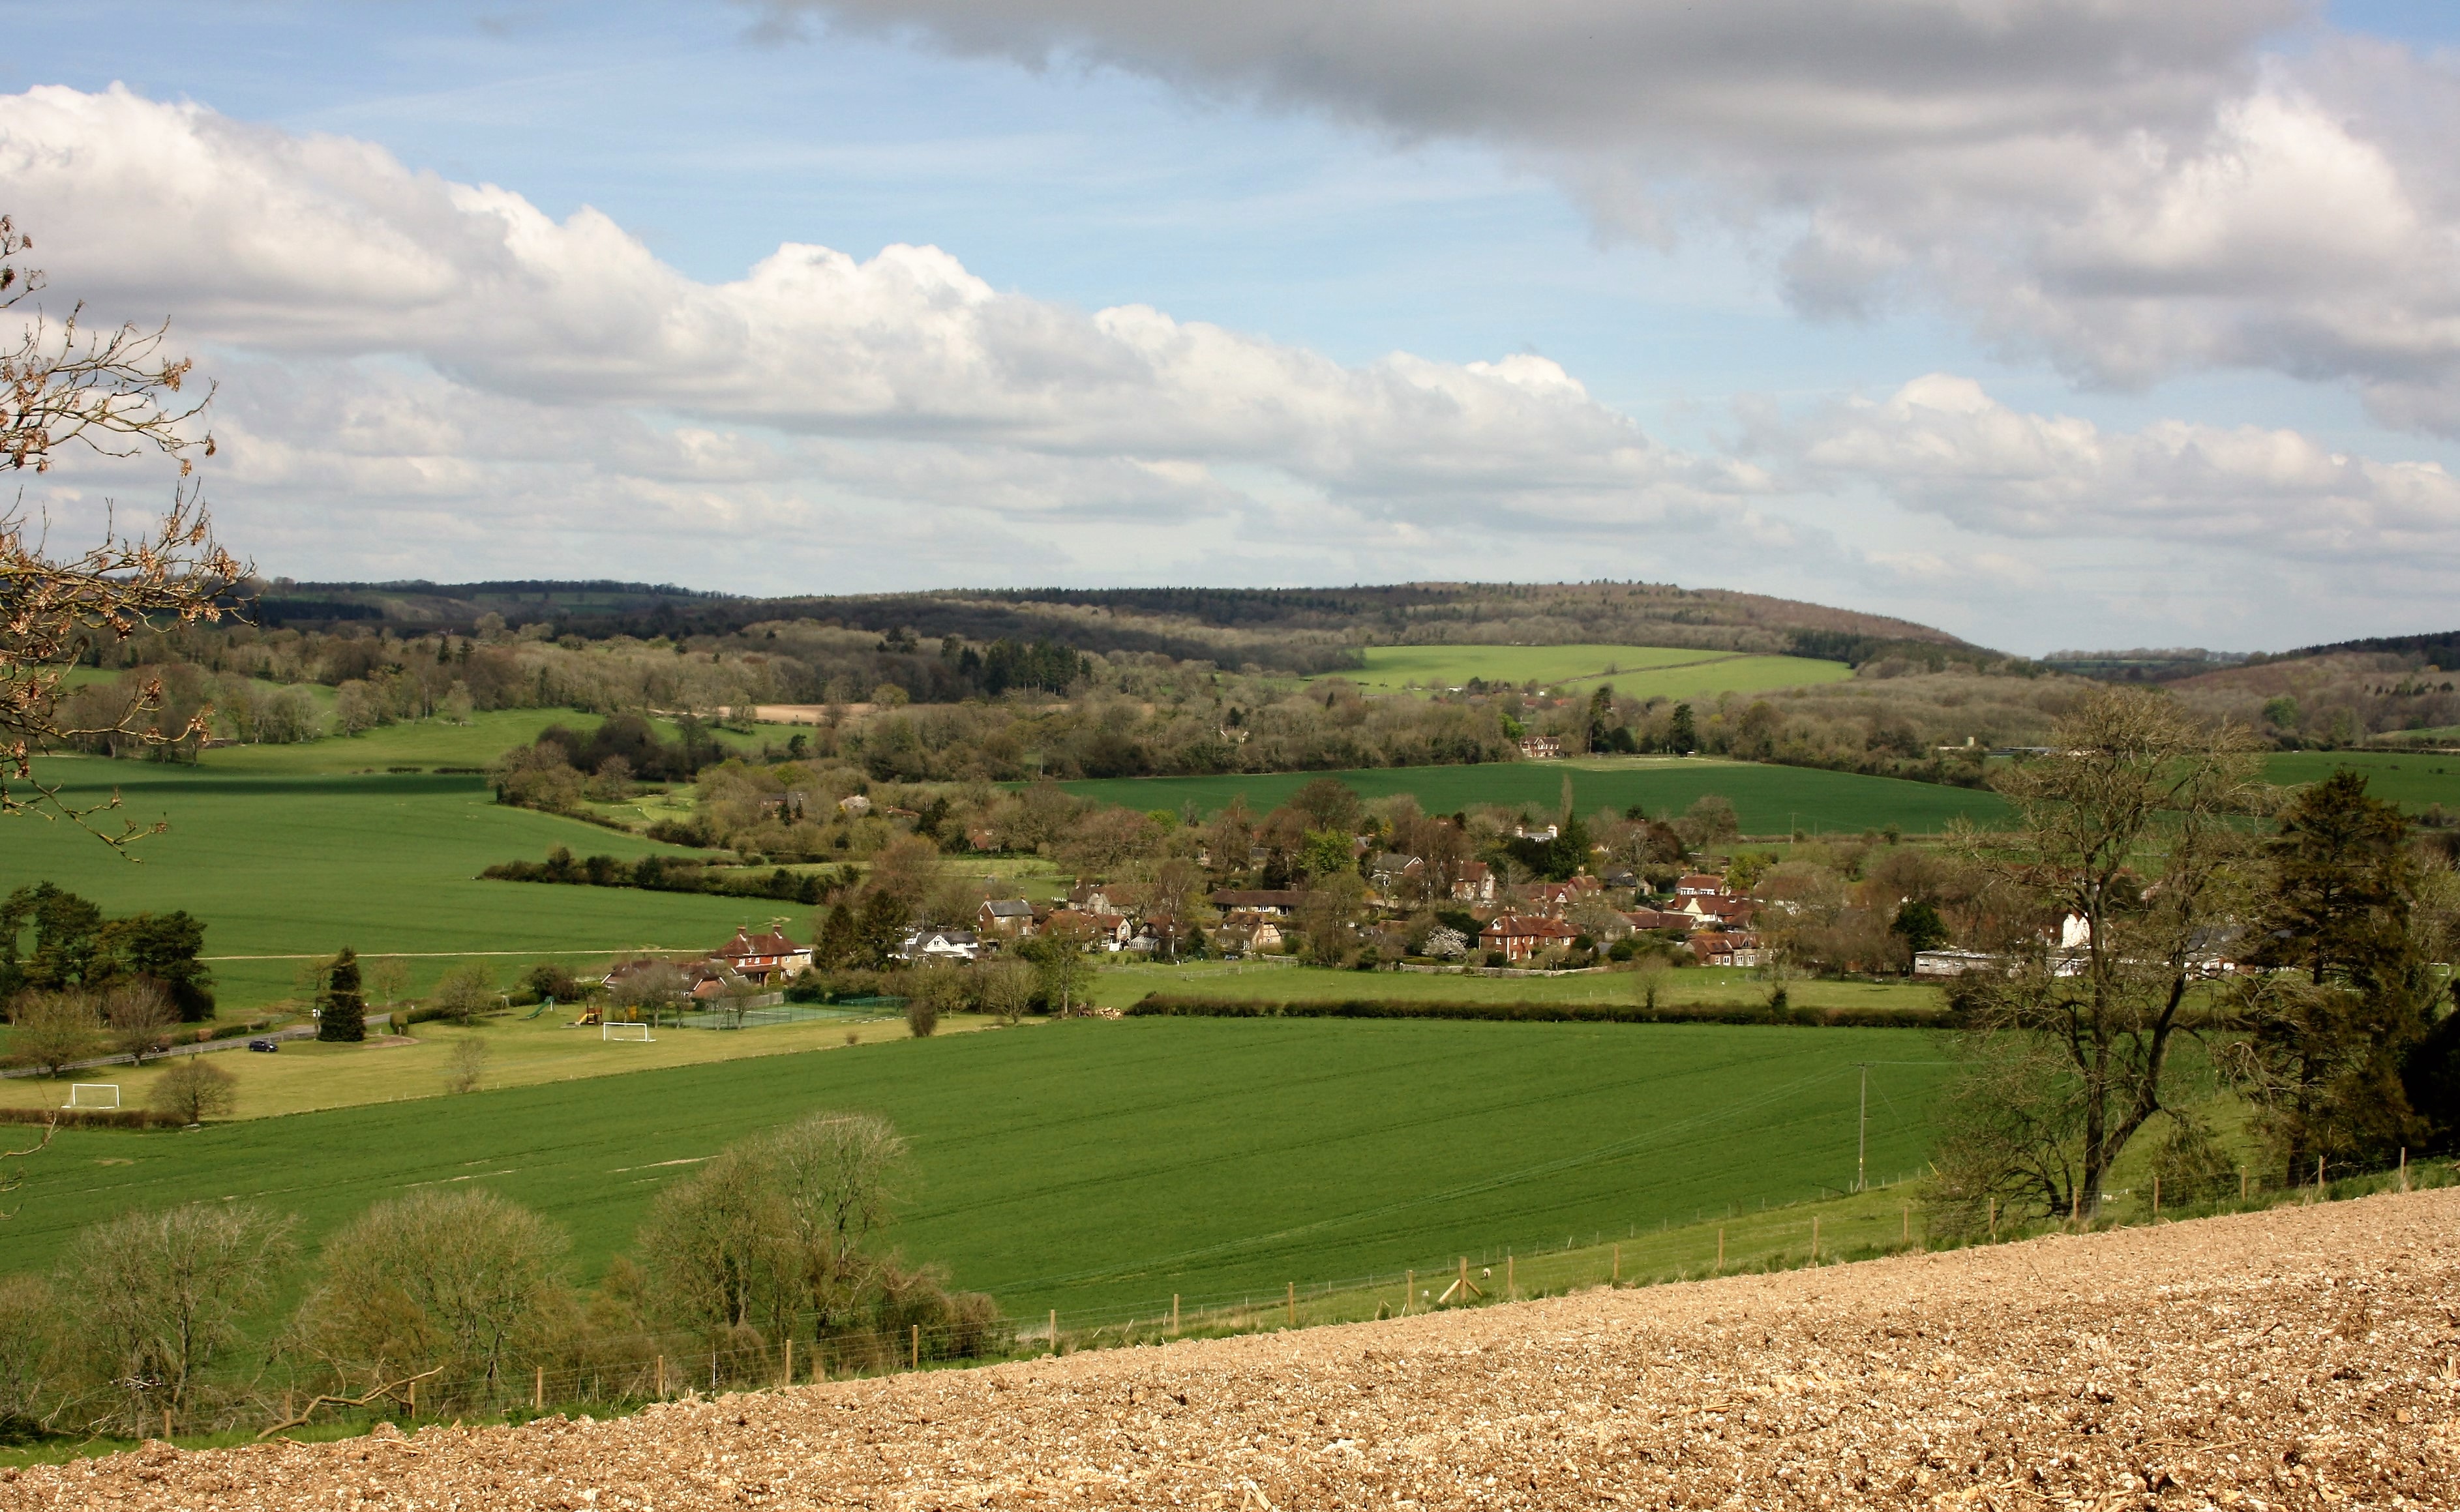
{"x": 94, "y": 1095}
{"x": 624, "y": 1031}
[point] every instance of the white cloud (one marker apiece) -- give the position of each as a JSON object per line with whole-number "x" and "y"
{"x": 324, "y": 247}
{"x": 1942, "y": 446}
{"x": 2133, "y": 188}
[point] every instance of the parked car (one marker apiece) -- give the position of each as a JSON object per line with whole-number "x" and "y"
{"x": 268, "y": 1046}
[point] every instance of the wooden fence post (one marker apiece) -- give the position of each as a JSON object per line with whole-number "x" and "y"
{"x": 413, "y": 1399}
{"x": 789, "y": 1374}
{"x": 2156, "y": 1199}
{"x": 1618, "y": 1265}
{"x": 1174, "y": 1315}
{"x": 1815, "y": 1241}
{"x": 662, "y": 1378}
{"x": 918, "y": 1346}
{"x": 1293, "y": 1300}
{"x": 1409, "y": 1292}
{"x": 1055, "y": 1331}
{"x": 1994, "y": 1218}
{"x": 1464, "y": 1279}
{"x": 538, "y": 1389}
{"x": 2242, "y": 1184}
{"x": 2403, "y": 1168}
{"x": 2319, "y": 1178}
{"x": 1721, "y": 1247}
{"x": 1511, "y": 1281}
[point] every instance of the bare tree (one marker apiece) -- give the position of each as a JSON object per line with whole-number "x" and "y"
{"x": 653, "y": 990}
{"x": 464, "y": 992}
{"x": 156, "y": 1298}
{"x": 12, "y": 1177}
{"x": 194, "y": 1090}
{"x": 466, "y": 1280}
{"x": 2070, "y": 1051}
{"x": 466, "y": 1065}
{"x": 29, "y": 1345}
{"x": 118, "y": 394}
{"x": 140, "y": 1017}
{"x": 53, "y": 1030}
{"x": 1005, "y": 988}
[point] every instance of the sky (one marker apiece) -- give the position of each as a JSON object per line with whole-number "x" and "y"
{"x": 2057, "y": 324}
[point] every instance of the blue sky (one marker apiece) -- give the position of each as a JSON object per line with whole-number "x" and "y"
{"x": 2080, "y": 472}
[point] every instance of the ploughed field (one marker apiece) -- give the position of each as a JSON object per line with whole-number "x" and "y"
{"x": 2299, "y": 1358}
{"x": 1099, "y": 1166}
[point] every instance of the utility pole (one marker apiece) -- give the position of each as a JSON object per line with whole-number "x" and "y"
{"x": 1862, "y": 1127}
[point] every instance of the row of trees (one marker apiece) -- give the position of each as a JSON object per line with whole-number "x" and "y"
{"x": 158, "y": 1317}
{"x": 53, "y": 940}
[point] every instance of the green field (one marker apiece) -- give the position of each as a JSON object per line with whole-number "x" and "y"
{"x": 302, "y": 865}
{"x": 2413, "y": 780}
{"x": 1635, "y": 671}
{"x": 425, "y": 743}
{"x": 1770, "y": 800}
{"x": 1097, "y": 1166}
{"x": 1703, "y": 986}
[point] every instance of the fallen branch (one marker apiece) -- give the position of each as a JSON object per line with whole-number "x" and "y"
{"x": 15, "y": 1178}
{"x": 314, "y": 1403}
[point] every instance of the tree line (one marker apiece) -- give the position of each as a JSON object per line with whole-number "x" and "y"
{"x": 165, "y": 1319}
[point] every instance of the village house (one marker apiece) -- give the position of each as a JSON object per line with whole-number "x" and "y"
{"x": 1672, "y": 920}
{"x": 1248, "y": 932}
{"x": 763, "y": 958}
{"x": 1541, "y": 748}
{"x": 1111, "y": 932}
{"x": 1700, "y": 883}
{"x": 1280, "y": 902}
{"x": 1012, "y": 918}
{"x": 1521, "y": 935}
{"x": 1728, "y": 912}
{"x": 1475, "y": 885}
{"x": 1728, "y": 949}
{"x": 942, "y": 945}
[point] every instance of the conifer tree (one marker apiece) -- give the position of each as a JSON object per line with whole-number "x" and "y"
{"x": 344, "y": 1014}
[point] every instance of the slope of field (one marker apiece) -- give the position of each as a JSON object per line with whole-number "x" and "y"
{"x": 1770, "y": 800}
{"x": 425, "y": 743}
{"x": 1092, "y": 1165}
{"x": 1691, "y": 986}
{"x": 285, "y": 865}
{"x": 1635, "y": 671}
{"x": 2297, "y": 1358}
{"x": 2413, "y": 780}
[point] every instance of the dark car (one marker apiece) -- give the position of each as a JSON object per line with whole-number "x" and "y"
{"x": 268, "y": 1046}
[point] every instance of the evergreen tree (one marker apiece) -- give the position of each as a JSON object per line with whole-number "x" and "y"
{"x": 344, "y": 1014}
{"x": 1683, "y": 736}
{"x": 1602, "y": 720}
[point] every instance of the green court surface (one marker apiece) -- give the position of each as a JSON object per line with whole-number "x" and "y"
{"x": 1099, "y": 1166}
{"x": 1768, "y": 800}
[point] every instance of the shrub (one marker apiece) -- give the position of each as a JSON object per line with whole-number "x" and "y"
{"x": 156, "y": 1298}
{"x": 465, "y": 993}
{"x": 53, "y": 1029}
{"x": 194, "y": 1090}
{"x": 466, "y": 1065}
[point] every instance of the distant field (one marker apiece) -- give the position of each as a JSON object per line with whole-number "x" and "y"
{"x": 2412, "y": 780}
{"x": 1635, "y": 671}
{"x": 1770, "y": 800}
{"x": 425, "y": 743}
{"x": 307, "y": 864}
{"x": 1094, "y": 1165}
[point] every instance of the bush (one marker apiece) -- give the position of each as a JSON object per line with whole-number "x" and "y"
{"x": 53, "y": 1029}
{"x": 465, "y": 993}
{"x": 194, "y": 1090}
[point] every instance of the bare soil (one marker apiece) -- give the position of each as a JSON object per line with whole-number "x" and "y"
{"x": 2302, "y": 1358}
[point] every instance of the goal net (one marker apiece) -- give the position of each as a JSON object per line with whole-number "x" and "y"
{"x": 94, "y": 1095}
{"x": 624, "y": 1031}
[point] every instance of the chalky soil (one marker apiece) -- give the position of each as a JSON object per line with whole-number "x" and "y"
{"x": 2305, "y": 1357}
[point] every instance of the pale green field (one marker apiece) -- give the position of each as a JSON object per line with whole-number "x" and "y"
{"x": 1635, "y": 671}
{"x": 305, "y": 1076}
{"x": 426, "y": 743}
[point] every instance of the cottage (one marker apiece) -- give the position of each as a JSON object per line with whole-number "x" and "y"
{"x": 1012, "y": 918}
{"x": 1721, "y": 948}
{"x": 764, "y": 957}
{"x": 1521, "y": 935}
{"x": 1541, "y": 748}
{"x": 1700, "y": 883}
{"x": 942, "y": 945}
{"x": 1669, "y": 920}
{"x": 1108, "y": 930}
{"x": 1249, "y": 932}
{"x": 1280, "y": 902}
{"x": 1475, "y": 884}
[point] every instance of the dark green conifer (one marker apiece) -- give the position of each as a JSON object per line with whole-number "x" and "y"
{"x": 342, "y": 1012}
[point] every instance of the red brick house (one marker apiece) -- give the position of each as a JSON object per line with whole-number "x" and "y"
{"x": 1521, "y": 935}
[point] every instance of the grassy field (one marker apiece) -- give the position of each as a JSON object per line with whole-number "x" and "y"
{"x": 1100, "y": 1165}
{"x": 426, "y": 742}
{"x": 305, "y": 1077}
{"x": 300, "y": 865}
{"x": 1770, "y": 800}
{"x": 2413, "y": 780}
{"x": 1711, "y": 986}
{"x": 1635, "y": 671}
